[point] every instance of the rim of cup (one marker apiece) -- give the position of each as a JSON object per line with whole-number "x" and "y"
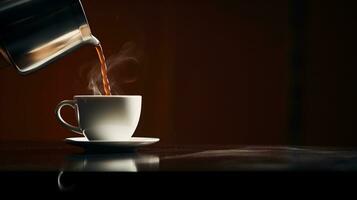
{"x": 107, "y": 96}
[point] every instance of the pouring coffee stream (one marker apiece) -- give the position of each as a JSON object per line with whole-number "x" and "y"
{"x": 103, "y": 70}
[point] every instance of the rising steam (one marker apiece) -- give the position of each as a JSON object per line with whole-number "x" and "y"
{"x": 122, "y": 69}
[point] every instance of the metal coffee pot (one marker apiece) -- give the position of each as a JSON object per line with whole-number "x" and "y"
{"x": 34, "y": 33}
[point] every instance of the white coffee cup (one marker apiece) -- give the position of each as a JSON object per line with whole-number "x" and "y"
{"x": 100, "y": 117}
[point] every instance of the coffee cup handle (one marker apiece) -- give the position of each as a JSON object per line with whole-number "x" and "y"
{"x": 65, "y": 124}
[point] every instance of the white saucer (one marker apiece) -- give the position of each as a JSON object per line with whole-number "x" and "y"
{"x": 104, "y": 145}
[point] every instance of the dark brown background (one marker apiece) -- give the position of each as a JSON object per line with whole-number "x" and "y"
{"x": 211, "y": 72}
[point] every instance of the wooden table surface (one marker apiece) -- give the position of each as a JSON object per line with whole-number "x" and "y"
{"x": 53, "y": 164}
{"x": 55, "y": 156}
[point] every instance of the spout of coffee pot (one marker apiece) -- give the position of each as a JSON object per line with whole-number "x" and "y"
{"x": 35, "y": 33}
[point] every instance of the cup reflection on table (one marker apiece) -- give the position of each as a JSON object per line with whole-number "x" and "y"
{"x": 127, "y": 162}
